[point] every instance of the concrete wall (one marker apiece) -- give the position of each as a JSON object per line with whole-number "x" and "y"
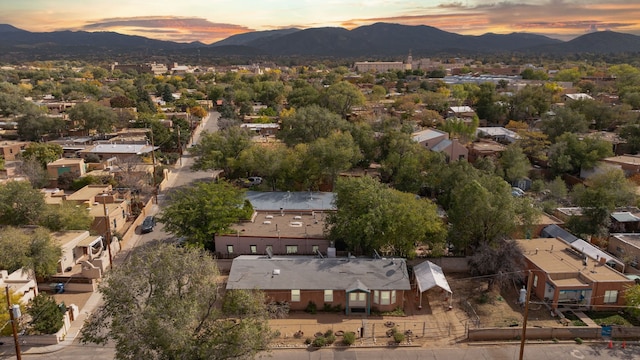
{"x": 560, "y": 333}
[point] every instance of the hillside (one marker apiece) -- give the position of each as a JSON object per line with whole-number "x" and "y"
{"x": 376, "y": 41}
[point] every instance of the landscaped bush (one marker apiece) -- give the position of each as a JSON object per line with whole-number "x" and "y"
{"x": 398, "y": 311}
{"x": 329, "y": 308}
{"x": 329, "y": 336}
{"x": 308, "y": 341}
{"x": 319, "y": 342}
{"x": 311, "y": 307}
{"x": 398, "y": 337}
{"x": 349, "y": 338}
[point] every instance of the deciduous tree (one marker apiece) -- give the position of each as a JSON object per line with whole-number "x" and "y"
{"x": 221, "y": 150}
{"x": 605, "y": 192}
{"x": 341, "y": 97}
{"x": 371, "y": 216}
{"x": 20, "y": 204}
{"x": 514, "y": 164}
{"x": 309, "y": 124}
{"x": 166, "y": 303}
{"x": 28, "y": 249}
{"x": 200, "y": 211}
{"x": 499, "y": 263}
{"x": 93, "y": 116}
{"x": 570, "y": 153}
{"x": 43, "y": 153}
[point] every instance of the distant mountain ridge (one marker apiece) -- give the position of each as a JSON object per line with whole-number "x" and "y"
{"x": 376, "y": 41}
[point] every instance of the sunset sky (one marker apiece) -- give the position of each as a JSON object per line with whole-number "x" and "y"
{"x": 212, "y": 20}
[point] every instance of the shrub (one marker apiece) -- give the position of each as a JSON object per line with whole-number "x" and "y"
{"x": 349, "y": 338}
{"x": 398, "y": 337}
{"x": 46, "y": 314}
{"x": 330, "y": 337}
{"x": 578, "y": 340}
{"x": 311, "y": 307}
{"x": 308, "y": 341}
{"x": 319, "y": 342}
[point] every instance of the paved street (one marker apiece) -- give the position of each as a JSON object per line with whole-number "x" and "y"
{"x": 461, "y": 352}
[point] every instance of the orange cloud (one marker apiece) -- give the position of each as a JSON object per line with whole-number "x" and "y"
{"x": 180, "y": 29}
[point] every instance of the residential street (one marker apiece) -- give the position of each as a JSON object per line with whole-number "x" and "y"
{"x": 461, "y": 352}
{"x": 71, "y": 348}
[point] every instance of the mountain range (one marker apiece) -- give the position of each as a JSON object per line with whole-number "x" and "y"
{"x": 376, "y": 41}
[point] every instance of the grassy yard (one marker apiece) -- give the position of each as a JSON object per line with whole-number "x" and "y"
{"x": 612, "y": 318}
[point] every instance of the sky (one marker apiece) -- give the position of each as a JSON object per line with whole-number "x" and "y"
{"x": 209, "y": 21}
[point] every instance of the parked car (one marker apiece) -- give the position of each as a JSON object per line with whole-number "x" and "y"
{"x": 250, "y": 181}
{"x": 254, "y": 180}
{"x": 516, "y": 191}
{"x": 148, "y": 224}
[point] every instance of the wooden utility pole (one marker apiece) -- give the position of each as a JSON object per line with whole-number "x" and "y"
{"x": 13, "y": 325}
{"x": 153, "y": 157}
{"x": 526, "y": 315}
{"x": 107, "y": 235}
{"x": 179, "y": 147}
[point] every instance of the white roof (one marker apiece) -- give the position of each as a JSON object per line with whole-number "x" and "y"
{"x": 426, "y": 134}
{"x": 429, "y": 275}
{"x": 579, "y": 96}
{"x": 593, "y": 252}
{"x": 461, "y": 109}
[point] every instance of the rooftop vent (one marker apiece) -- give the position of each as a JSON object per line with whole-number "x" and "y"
{"x": 266, "y": 222}
{"x": 276, "y": 272}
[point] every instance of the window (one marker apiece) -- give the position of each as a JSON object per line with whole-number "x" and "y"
{"x": 611, "y": 296}
{"x": 254, "y": 249}
{"x": 314, "y": 249}
{"x": 353, "y": 296}
{"x": 292, "y": 249}
{"x": 230, "y": 249}
{"x": 328, "y": 296}
{"x": 535, "y": 280}
{"x": 384, "y": 297}
{"x": 362, "y": 296}
{"x": 295, "y": 295}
